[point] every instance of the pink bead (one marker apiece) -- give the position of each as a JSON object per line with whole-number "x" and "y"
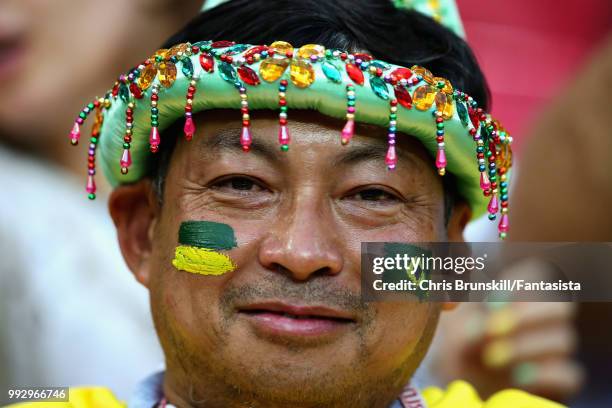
{"x": 283, "y": 135}
{"x": 189, "y": 128}
{"x": 441, "y": 159}
{"x": 245, "y": 138}
{"x": 126, "y": 158}
{"x": 75, "y": 133}
{"x": 91, "y": 185}
{"x": 154, "y": 138}
{"x": 391, "y": 158}
{"x": 493, "y": 206}
{"x": 504, "y": 226}
{"x": 485, "y": 184}
{"x": 348, "y": 131}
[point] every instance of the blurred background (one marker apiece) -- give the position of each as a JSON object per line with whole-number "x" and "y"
{"x": 71, "y": 313}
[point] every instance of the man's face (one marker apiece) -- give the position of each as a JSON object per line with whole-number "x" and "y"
{"x": 287, "y": 325}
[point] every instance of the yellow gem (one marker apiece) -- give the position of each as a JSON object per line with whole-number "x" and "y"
{"x": 422, "y": 72}
{"x": 302, "y": 74}
{"x": 447, "y": 88}
{"x": 167, "y": 73}
{"x": 163, "y": 52}
{"x": 281, "y": 47}
{"x": 272, "y": 68}
{"x": 308, "y": 50}
{"x": 147, "y": 75}
{"x": 179, "y": 48}
{"x": 423, "y": 97}
{"x": 444, "y": 105}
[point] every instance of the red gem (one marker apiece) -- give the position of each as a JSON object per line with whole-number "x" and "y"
{"x": 135, "y": 90}
{"x": 403, "y": 96}
{"x": 250, "y": 53}
{"x": 222, "y": 44}
{"x": 115, "y": 90}
{"x": 474, "y": 116}
{"x": 401, "y": 73}
{"x": 248, "y": 75}
{"x": 363, "y": 57}
{"x": 207, "y": 62}
{"x": 355, "y": 73}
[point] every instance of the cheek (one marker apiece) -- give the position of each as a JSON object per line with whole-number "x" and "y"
{"x": 399, "y": 330}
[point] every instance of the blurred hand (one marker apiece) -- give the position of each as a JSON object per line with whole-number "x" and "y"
{"x": 510, "y": 345}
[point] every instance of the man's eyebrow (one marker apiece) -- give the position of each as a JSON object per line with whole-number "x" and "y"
{"x": 357, "y": 153}
{"x": 228, "y": 139}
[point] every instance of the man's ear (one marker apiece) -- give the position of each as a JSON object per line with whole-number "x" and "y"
{"x": 459, "y": 218}
{"x": 134, "y": 209}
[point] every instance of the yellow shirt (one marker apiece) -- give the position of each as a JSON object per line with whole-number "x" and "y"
{"x": 459, "y": 394}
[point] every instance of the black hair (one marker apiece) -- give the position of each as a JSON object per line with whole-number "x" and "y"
{"x": 399, "y": 36}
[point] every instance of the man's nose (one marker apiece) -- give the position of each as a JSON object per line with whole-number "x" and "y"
{"x": 303, "y": 243}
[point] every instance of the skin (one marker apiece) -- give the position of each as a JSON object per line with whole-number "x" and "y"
{"x": 70, "y": 51}
{"x": 299, "y": 218}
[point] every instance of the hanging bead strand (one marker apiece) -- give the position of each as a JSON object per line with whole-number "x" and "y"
{"x": 189, "y": 128}
{"x": 441, "y": 153}
{"x": 245, "y": 136}
{"x": 283, "y": 133}
{"x": 154, "y": 137}
{"x": 93, "y": 143}
{"x": 126, "y": 157}
{"x": 349, "y": 128}
{"x": 391, "y": 157}
{"x": 75, "y": 132}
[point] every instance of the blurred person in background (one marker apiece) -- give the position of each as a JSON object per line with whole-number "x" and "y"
{"x": 575, "y": 135}
{"x": 60, "y": 321}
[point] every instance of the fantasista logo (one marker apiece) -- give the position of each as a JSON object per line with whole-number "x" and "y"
{"x": 200, "y": 248}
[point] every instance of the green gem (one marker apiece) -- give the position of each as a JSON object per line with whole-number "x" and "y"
{"x": 393, "y": 116}
{"x": 126, "y": 145}
{"x": 82, "y": 115}
{"x": 440, "y": 84}
{"x": 493, "y": 177}
{"x": 380, "y": 64}
{"x": 154, "y": 123}
{"x": 351, "y": 103}
{"x": 91, "y": 196}
{"x": 440, "y": 125}
{"x": 504, "y": 190}
{"x": 502, "y": 235}
{"x": 187, "y": 67}
{"x": 379, "y": 86}
{"x": 463, "y": 113}
{"x": 284, "y": 148}
{"x": 331, "y": 72}
{"x": 228, "y": 73}
{"x": 90, "y": 105}
{"x": 283, "y": 109}
{"x": 235, "y": 49}
{"x": 124, "y": 92}
{"x": 94, "y": 140}
{"x": 159, "y": 58}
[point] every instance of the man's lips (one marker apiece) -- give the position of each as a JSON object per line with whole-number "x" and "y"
{"x": 283, "y": 319}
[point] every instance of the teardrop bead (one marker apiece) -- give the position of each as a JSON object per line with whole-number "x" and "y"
{"x": 391, "y": 157}
{"x": 258, "y": 49}
{"x": 135, "y": 90}
{"x": 154, "y": 139}
{"x": 189, "y": 128}
{"x": 187, "y": 67}
{"x": 504, "y": 224}
{"x": 401, "y": 73}
{"x": 485, "y": 184}
{"x": 281, "y": 47}
{"x": 75, "y": 134}
{"x": 444, "y": 105}
{"x": 91, "y": 185}
{"x": 463, "y": 114}
{"x": 331, "y": 72}
{"x": 126, "y": 158}
{"x": 283, "y": 135}
{"x": 441, "y": 159}
{"x": 348, "y": 131}
{"x": 124, "y": 92}
{"x": 245, "y": 139}
{"x": 309, "y": 50}
{"x": 355, "y": 73}
{"x": 493, "y": 206}
{"x": 228, "y": 72}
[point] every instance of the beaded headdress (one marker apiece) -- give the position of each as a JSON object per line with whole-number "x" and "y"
{"x": 189, "y": 78}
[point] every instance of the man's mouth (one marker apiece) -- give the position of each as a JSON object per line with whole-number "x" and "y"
{"x": 288, "y": 320}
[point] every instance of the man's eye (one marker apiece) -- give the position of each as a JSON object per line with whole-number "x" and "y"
{"x": 375, "y": 194}
{"x": 243, "y": 184}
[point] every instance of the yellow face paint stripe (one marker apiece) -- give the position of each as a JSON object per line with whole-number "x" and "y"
{"x": 201, "y": 261}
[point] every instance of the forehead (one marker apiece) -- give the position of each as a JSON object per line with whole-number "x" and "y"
{"x": 313, "y": 135}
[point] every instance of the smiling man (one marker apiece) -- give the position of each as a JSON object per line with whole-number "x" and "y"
{"x": 270, "y": 165}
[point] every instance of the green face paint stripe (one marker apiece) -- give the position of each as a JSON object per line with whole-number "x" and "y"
{"x": 207, "y": 234}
